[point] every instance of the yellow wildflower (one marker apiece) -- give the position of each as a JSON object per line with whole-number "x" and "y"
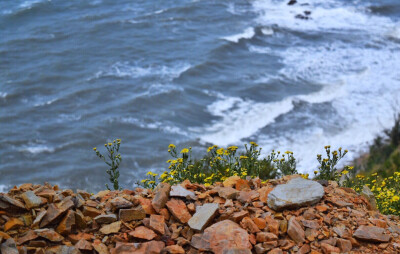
{"x": 220, "y": 151}
{"x": 254, "y": 144}
{"x": 243, "y": 157}
{"x": 171, "y": 146}
{"x": 185, "y": 150}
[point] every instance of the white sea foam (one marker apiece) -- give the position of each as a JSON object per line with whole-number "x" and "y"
{"x": 3, "y": 95}
{"x": 325, "y": 15}
{"x": 248, "y": 33}
{"x": 361, "y": 83}
{"x": 37, "y": 148}
{"x": 3, "y": 188}
{"x": 126, "y": 69}
{"x": 267, "y": 31}
{"x": 43, "y": 102}
{"x": 152, "y": 125}
{"x": 260, "y": 50}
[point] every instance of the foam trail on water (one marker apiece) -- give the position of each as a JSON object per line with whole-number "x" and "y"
{"x": 126, "y": 69}
{"x": 248, "y": 33}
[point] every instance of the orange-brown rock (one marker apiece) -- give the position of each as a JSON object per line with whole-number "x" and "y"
{"x": 295, "y": 231}
{"x": 66, "y": 225}
{"x": 136, "y": 213}
{"x": 157, "y": 223}
{"x": 266, "y": 237}
{"x": 161, "y": 196}
{"x": 13, "y": 223}
{"x": 344, "y": 245}
{"x": 261, "y": 223}
{"x": 371, "y": 234}
{"x": 179, "y": 210}
{"x": 84, "y": 245}
{"x": 249, "y": 224}
{"x": 49, "y": 234}
{"x": 143, "y": 233}
{"x": 222, "y": 236}
{"x": 327, "y": 248}
{"x": 173, "y": 249}
{"x": 272, "y": 225}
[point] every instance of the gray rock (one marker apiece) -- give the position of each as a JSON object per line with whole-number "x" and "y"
{"x": 6, "y": 201}
{"x": 369, "y": 195}
{"x": 105, "y": 218}
{"x": 296, "y": 193}
{"x": 179, "y": 191}
{"x": 31, "y": 200}
{"x": 9, "y": 247}
{"x": 204, "y": 214}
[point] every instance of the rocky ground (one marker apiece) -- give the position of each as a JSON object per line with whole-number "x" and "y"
{"x": 289, "y": 215}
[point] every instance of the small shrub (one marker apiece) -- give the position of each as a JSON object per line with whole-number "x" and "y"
{"x": 327, "y": 168}
{"x": 220, "y": 163}
{"x": 112, "y": 159}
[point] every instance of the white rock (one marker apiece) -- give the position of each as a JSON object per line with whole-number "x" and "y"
{"x": 296, "y": 193}
{"x": 204, "y": 214}
{"x": 179, "y": 191}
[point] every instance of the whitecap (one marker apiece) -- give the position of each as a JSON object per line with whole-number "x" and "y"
{"x": 3, "y": 95}
{"x": 267, "y": 31}
{"x": 3, "y": 188}
{"x": 128, "y": 70}
{"x": 152, "y": 125}
{"x": 42, "y": 102}
{"x": 260, "y": 50}
{"x": 37, "y": 148}
{"x": 248, "y": 33}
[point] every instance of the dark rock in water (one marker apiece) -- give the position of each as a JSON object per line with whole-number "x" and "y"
{"x": 307, "y": 12}
{"x": 301, "y": 16}
{"x": 292, "y": 2}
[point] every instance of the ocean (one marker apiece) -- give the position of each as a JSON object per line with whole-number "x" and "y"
{"x": 77, "y": 74}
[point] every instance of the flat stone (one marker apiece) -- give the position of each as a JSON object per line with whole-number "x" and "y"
{"x": 105, "y": 218}
{"x": 13, "y": 223}
{"x": 91, "y": 211}
{"x": 161, "y": 196}
{"x": 344, "y": 245}
{"x": 38, "y": 219}
{"x": 231, "y": 181}
{"x": 56, "y": 211}
{"x": 371, "y": 234}
{"x": 369, "y": 195}
{"x": 296, "y": 193}
{"x": 136, "y": 213}
{"x": 49, "y": 234}
{"x": 84, "y": 245}
{"x": 173, "y": 249}
{"x": 227, "y": 192}
{"x": 266, "y": 237}
{"x": 120, "y": 202}
{"x": 111, "y": 228}
{"x": 28, "y": 236}
{"x": 223, "y": 235}
{"x": 295, "y": 231}
{"x": 143, "y": 233}
{"x": 152, "y": 247}
{"x": 327, "y": 248}
{"x": 249, "y": 224}
{"x": 9, "y": 202}
{"x": 272, "y": 225}
{"x": 67, "y": 223}
{"x": 31, "y": 200}
{"x": 9, "y": 247}
{"x": 179, "y": 210}
{"x": 180, "y": 191}
{"x": 100, "y": 247}
{"x": 157, "y": 223}
{"x": 203, "y": 216}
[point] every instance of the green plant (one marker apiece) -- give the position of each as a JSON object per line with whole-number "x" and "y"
{"x": 220, "y": 163}
{"x": 112, "y": 159}
{"x": 327, "y": 168}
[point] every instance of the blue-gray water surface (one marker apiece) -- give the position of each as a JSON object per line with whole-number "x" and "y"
{"x": 77, "y": 74}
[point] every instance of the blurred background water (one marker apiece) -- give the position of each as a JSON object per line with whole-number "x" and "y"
{"x": 76, "y": 74}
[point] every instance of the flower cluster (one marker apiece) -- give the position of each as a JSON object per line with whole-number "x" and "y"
{"x": 386, "y": 190}
{"x": 221, "y": 163}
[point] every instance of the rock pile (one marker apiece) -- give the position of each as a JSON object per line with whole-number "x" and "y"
{"x": 289, "y": 215}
